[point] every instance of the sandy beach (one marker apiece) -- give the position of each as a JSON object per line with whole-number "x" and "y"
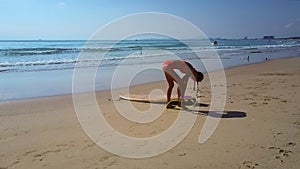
{"x": 260, "y": 127}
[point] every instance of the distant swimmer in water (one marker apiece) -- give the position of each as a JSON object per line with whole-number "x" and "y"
{"x": 171, "y": 76}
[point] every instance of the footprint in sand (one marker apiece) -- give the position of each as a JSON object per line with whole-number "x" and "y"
{"x": 277, "y": 135}
{"x": 297, "y": 123}
{"x": 282, "y": 153}
{"x": 42, "y": 155}
{"x": 106, "y": 162}
{"x": 253, "y": 103}
{"x": 181, "y": 154}
{"x": 88, "y": 146}
{"x": 61, "y": 145}
{"x": 10, "y": 165}
{"x": 250, "y": 164}
{"x": 291, "y": 144}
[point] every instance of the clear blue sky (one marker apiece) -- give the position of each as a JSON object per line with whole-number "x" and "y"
{"x": 74, "y": 19}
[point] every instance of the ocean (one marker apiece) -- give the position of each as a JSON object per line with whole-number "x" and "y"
{"x": 36, "y": 68}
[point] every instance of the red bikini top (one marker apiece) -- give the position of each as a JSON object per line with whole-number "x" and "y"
{"x": 181, "y": 67}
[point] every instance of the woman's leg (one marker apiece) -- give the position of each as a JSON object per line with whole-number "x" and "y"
{"x": 172, "y": 77}
{"x": 180, "y": 92}
{"x": 170, "y": 81}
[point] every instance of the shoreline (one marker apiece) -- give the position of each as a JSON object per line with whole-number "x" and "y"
{"x": 261, "y": 62}
{"x": 160, "y": 81}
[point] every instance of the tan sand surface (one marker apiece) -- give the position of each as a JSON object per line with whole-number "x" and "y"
{"x": 260, "y": 127}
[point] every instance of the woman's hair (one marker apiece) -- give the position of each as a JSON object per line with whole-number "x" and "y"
{"x": 189, "y": 65}
{"x": 199, "y": 75}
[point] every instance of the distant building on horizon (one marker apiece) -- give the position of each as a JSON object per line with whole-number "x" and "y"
{"x": 269, "y": 37}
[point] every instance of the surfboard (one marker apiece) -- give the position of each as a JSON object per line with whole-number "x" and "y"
{"x": 161, "y": 99}
{"x": 189, "y": 101}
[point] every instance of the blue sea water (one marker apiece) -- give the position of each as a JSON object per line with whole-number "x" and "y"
{"x": 44, "y": 68}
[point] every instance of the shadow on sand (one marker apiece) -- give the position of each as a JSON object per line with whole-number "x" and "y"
{"x": 218, "y": 114}
{"x": 202, "y": 105}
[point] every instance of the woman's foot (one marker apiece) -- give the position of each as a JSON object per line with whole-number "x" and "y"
{"x": 169, "y": 106}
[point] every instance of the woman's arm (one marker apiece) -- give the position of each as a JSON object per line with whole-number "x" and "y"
{"x": 185, "y": 78}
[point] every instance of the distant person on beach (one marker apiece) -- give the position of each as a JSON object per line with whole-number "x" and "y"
{"x": 171, "y": 76}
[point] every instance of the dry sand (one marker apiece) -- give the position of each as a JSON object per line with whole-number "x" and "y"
{"x": 259, "y": 130}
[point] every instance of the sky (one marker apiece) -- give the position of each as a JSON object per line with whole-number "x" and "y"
{"x": 74, "y": 19}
